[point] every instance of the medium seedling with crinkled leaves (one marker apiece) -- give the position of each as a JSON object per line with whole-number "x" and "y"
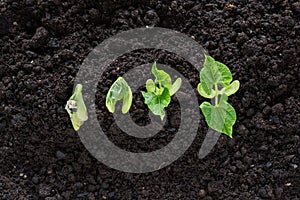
{"x": 221, "y": 116}
{"x": 159, "y": 91}
{"x": 119, "y": 91}
{"x": 76, "y": 108}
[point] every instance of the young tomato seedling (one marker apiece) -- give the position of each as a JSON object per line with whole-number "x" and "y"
{"x": 159, "y": 92}
{"x": 76, "y": 108}
{"x": 221, "y": 116}
{"x": 118, "y": 91}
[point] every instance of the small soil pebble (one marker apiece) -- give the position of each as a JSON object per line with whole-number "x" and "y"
{"x": 40, "y": 37}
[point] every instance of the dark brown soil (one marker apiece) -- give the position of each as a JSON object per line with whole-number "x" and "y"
{"x": 42, "y": 46}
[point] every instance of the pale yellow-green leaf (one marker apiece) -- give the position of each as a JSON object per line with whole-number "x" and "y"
{"x": 150, "y": 85}
{"x": 127, "y": 101}
{"x": 204, "y": 94}
{"x": 176, "y": 86}
{"x": 232, "y": 88}
{"x": 118, "y": 91}
{"x": 79, "y": 114}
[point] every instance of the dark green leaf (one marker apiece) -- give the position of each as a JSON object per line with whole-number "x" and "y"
{"x": 158, "y": 95}
{"x": 162, "y": 77}
{"x": 213, "y": 73}
{"x": 157, "y": 103}
{"x": 221, "y": 117}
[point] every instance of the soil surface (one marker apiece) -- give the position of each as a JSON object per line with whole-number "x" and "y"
{"x": 43, "y": 44}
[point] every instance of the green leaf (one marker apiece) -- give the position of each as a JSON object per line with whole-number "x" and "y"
{"x": 81, "y": 108}
{"x": 76, "y": 108}
{"x": 204, "y": 94}
{"x": 127, "y": 101}
{"x": 232, "y": 88}
{"x": 159, "y": 90}
{"x": 150, "y": 85}
{"x": 162, "y": 77}
{"x": 158, "y": 95}
{"x": 212, "y": 73}
{"x": 157, "y": 103}
{"x": 175, "y": 87}
{"x": 221, "y": 117}
{"x": 119, "y": 90}
{"x": 225, "y": 74}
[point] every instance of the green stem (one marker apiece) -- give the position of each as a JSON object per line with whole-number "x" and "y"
{"x": 217, "y": 95}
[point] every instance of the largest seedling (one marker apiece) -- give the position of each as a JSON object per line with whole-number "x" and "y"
{"x": 215, "y": 83}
